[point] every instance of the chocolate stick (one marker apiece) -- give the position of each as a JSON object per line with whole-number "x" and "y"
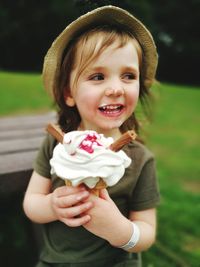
{"x": 126, "y": 138}
{"x": 123, "y": 140}
{"x": 55, "y": 131}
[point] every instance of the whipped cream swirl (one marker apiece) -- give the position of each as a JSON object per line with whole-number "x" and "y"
{"x": 85, "y": 156}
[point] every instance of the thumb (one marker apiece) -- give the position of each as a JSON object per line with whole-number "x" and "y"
{"x": 103, "y": 193}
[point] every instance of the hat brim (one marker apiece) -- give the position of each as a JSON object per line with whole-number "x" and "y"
{"x": 102, "y": 15}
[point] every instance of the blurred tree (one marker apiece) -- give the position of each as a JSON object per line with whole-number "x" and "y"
{"x": 140, "y": 8}
{"x": 27, "y": 30}
{"x": 177, "y": 35}
{"x": 86, "y": 5}
{"x": 29, "y": 27}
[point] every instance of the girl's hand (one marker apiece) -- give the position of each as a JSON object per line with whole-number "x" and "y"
{"x": 107, "y": 221}
{"x": 68, "y": 207}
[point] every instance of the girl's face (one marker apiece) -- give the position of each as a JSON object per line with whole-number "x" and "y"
{"x": 107, "y": 91}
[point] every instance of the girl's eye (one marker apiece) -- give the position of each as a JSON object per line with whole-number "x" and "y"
{"x": 129, "y": 76}
{"x": 97, "y": 77}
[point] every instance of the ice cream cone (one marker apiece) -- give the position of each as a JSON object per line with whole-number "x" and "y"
{"x": 68, "y": 183}
{"x": 100, "y": 185}
{"x": 127, "y": 137}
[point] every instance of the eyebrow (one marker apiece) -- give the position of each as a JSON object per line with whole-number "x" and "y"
{"x": 96, "y": 69}
{"x": 131, "y": 68}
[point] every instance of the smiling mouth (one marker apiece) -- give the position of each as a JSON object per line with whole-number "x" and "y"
{"x": 111, "y": 109}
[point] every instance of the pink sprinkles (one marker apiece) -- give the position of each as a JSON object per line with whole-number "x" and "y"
{"x": 89, "y": 142}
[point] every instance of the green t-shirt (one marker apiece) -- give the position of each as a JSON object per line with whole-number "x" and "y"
{"x": 137, "y": 190}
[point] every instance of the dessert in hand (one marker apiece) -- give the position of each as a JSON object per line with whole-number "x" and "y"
{"x": 90, "y": 158}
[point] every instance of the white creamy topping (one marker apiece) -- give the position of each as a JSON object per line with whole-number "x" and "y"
{"x": 85, "y": 156}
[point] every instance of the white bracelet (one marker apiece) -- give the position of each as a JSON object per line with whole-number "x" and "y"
{"x": 134, "y": 238}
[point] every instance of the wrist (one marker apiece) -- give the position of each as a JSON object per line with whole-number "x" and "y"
{"x": 122, "y": 233}
{"x": 52, "y": 212}
{"x": 133, "y": 239}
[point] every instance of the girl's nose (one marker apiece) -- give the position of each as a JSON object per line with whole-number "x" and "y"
{"x": 114, "y": 91}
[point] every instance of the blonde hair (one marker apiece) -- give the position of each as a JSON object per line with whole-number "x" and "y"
{"x": 94, "y": 43}
{"x": 79, "y": 55}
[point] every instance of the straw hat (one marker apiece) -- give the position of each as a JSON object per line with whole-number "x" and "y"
{"x": 110, "y": 15}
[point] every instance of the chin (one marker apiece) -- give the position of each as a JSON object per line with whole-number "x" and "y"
{"x": 110, "y": 127}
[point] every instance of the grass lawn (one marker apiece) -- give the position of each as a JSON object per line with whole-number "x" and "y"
{"x": 173, "y": 137}
{"x": 22, "y": 93}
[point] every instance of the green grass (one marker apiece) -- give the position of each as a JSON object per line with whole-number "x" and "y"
{"x": 174, "y": 138}
{"x": 22, "y": 93}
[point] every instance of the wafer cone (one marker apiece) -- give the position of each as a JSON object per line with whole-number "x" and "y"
{"x": 116, "y": 146}
{"x": 68, "y": 183}
{"x": 100, "y": 185}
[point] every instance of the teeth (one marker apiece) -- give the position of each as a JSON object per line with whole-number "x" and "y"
{"x": 110, "y": 108}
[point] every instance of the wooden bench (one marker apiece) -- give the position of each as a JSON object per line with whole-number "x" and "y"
{"x": 20, "y": 138}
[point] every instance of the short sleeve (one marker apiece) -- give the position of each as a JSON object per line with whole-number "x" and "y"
{"x": 146, "y": 192}
{"x": 41, "y": 164}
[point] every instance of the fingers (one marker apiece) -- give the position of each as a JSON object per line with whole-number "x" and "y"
{"x": 71, "y": 199}
{"x": 75, "y": 210}
{"x": 70, "y": 204}
{"x": 67, "y": 190}
{"x": 75, "y": 216}
{"x": 75, "y": 222}
{"x": 103, "y": 193}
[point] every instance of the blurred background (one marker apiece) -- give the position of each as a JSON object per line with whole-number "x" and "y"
{"x": 27, "y": 29}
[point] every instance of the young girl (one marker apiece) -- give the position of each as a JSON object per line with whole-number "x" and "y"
{"x": 97, "y": 69}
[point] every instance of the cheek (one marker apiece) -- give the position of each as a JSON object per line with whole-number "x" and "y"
{"x": 133, "y": 98}
{"x": 85, "y": 99}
